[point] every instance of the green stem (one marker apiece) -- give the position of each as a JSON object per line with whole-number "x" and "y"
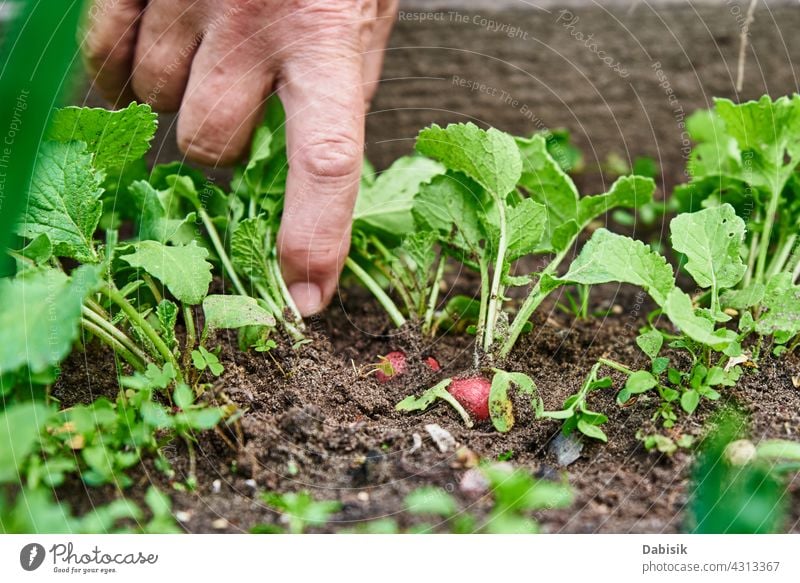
{"x": 117, "y": 334}
{"x": 615, "y": 365}
{"x": 769, "y": 222}
{"x": 153, "y": 288}
{"x": 434, "y": 297}
{"x": 287, "y": 297}
{"x": 583, "y": 292}
{"x": 445, "y": 396}
{"x": 380, "y": 295}
{"x": 484, "y": 269}
{"x": 531, "y": 303}
{"x": 115, "y": 344}
{"x": 276, "y": 310}
{"x": 136, "y": 318}
{"x": 191, "y": 334}
{"x": 751, "y": 256}
{"x": 220, "y": 249}
{"x": 782, "y": 256}
{"x": 496, "y": 295}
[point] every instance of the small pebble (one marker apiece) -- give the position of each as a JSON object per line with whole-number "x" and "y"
{"x": 567, "y": 449}
{"x": 441, "y": 437}
{"x": 417, "y": 438}
{"x": 363, "y": 496}
{"x": 251, "y": 483}
{"x": 220, "y": 524}
{"x": 473, "y": 483}
{"x": 216, "y": 486}
{"x": 740, "y": 452}
{"x": 183, "y": 516}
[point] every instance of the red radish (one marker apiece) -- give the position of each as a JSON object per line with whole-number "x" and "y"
{"x": 433, "y": 364}
{"x": 473, "y": 394}
{"x": 391, "y": 365}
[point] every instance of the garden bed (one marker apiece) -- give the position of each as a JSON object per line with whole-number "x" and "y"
{"x": 317, "y": 423}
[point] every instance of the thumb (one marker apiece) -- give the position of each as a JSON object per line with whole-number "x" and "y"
{"x": 324, "y": 105}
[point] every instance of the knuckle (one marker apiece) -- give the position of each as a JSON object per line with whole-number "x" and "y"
{"x": 332, "y": 156}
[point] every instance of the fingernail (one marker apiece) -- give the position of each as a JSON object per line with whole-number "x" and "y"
{"x": 307, "y": 296}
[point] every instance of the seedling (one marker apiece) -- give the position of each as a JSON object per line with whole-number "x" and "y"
{"x": 576, "y": 413}
{"x": 299, "y": 511}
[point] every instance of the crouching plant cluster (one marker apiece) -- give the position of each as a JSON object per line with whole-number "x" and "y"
{"x": 153, "y": 264}
{"x": 487, "y": 200}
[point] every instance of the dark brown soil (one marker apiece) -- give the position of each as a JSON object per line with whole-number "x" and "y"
{"x": 314, "y": 420}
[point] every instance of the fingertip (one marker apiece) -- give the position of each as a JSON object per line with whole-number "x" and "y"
{"x": 308, "y": 297}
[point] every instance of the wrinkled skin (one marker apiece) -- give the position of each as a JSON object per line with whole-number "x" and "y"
{"x": 216, "y": 62}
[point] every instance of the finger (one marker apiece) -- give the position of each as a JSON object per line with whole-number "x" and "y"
{"x": 324, "y": 102}
{"x": 168, "y": 39}
{"x": 224, "y": 98}
{"x": 376, "y": 48}
{"x": 107, "y": 42}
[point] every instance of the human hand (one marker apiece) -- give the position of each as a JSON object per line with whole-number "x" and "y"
{"x": 216, "y": 62}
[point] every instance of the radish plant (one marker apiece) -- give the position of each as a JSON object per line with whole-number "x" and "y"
{"x": 500, "y": 200}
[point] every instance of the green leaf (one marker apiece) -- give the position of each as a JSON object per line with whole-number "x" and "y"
{"x": 501, "y": 410}
{"x": 608, "y": 257}
{"x": 592, "y": 431}
{"x": 650, "y": 342}
{"x": 549, "y": 185}
{"x": 183, "y": 396}
{"x": 205, "y": 418}
{"x": 40, "y": 317}
{"x": 249, "y": 249}
{"x": 711, "y": 239}
{"x": 782, "y": 302}
{"x": 184, "y": 270}
{"x": 454, "y": 207}
{"x": 627, "y": 191}
{"x": 689, "y": 401}
{"x": 431, "y": 500}
{"x": 162, "y": 218}
{"x": 20, "y": 426}
{"x": 385, "y": 204}
{"x": 526, "y": 223}
{"x": 230, "y": 311}
{"x": 114, "y": 137}
{"x": 64, "y": 201}
{"x": 764, "y": 128}
{"x": 639, "y": 382}
{"x": 268, "y": 166}
{"x": 742, "y": 299}
{"x": 167, "y": 314}
{"x": 678, "y": 307}
{"x": 490, "y": 157}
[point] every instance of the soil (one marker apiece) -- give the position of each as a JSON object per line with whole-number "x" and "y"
{"x": 314, "y": 420}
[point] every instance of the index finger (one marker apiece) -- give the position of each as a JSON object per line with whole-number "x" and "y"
{"x": 324, "y": 103}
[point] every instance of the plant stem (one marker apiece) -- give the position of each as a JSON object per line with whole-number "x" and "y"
{"x": 136, "y": 318}
{"x": 287, "y": 297}
{"x": 220, "y": 249}
{"x": 484, "y": 269}
{"x": 380, "y": 295}
{"x": 153, "y": 288}
{"x": 531, "y": 303}
{"x": 434, "y": 297}
{"x": 191, "y": 334}
{"x": 117, "y": 334}
{"x": 445, "y": 396}
{"x": 782, "y": 256}
{"x": 115, "y": 344}
{"x": 276, "y": 310}
{"x": 615, "y": 365}
{"x": 496, "y": 296}
{"x": 769, "y": 221}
